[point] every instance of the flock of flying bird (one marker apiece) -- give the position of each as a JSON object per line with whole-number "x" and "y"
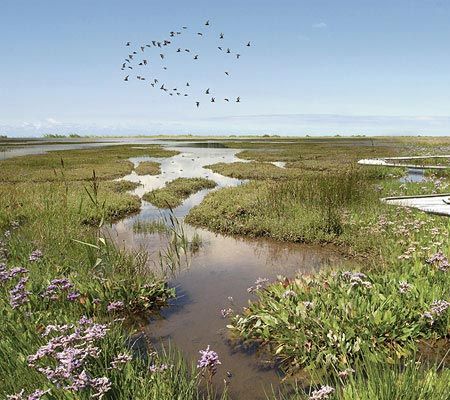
{"x": 139, "y": 58}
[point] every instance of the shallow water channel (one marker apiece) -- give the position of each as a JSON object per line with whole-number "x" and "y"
{"x": 223, "y": 268}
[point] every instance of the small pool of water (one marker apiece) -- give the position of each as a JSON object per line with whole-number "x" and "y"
{"x": 414, "y": 175}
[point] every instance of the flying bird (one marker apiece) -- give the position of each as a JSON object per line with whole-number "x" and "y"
{"x": 158, "y": 44}
{"x": 228, "y": 51}
{"x": 238, "y": 100}
{"x": 207, "y": 23}
{"x": 162, "y": 56}
{"x": 179, "y": 50}
{"x": 221, "y": 36}
{"x": 220, "y": 48}
{"x": 196, "y": 57}
{"x": 197, "y": 103}
{"x": 154, "y": 42}
{"x": 187, "y": 50}
{"x": 145, "y": 62}
{"x": 227, "y": 99}
{"x": 187, "y": 84}
{"x": 207, "y": 91}
{"x": 213, "y": 100}
{"x": 128, "y": 43}
{"x": 248, "y": 44}
{"x": 237, "y": 56}
{"x": 199, "y": 34}
{"x": 126, "y": 78}
{"x": 184, "y": 27}
{"x": 142, "y": 48}
{"x": 130, "y": 56}
{"x": 227, "y": 73}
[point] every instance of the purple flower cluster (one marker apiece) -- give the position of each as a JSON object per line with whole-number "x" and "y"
{"x": 439, "y": 260}
{"x": 404, "y": 287}
{"x": 321, "y": 394}
{"x": 158, "y": 368}
{"x": 356, "y": 279}
{"x": 437, "y": 308}
{"x": 18, "y": 295}
{"x": 60, "y": 286}
{"x": 115, "y": 306}
{"x": 260, "y": 283}
{"x": 6, "y": 275}
{"x": 208, "y": 361}
{"x": 120, "y": 360}
{"x": 64, "y": 358}
{"x": 35, "y": 255}
{"x": 226, "y": 312}
{"x": 36, "y": 395}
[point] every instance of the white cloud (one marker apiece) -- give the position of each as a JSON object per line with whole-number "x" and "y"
{"x": 320, "y": 25}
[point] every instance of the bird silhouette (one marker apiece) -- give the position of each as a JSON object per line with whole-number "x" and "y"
{"x": 134, "y": 52}
{"x": 238, "y": 99}
{"x": 179, "y": 50}
{"x": 130, "y": 56}
{"x": 227, "y": 73}
{"x": 154, "y": 42}
{"x": 196, "y": 57}
{"x": 221, "y": 36}
{"x": 141, "y": 63}
{"x": 153, "y": 85}
{"x": 187, "y": 50}
{"x": 123, "y": 65}
{"x": 248, "y": 44}
{"x": 184, "y": 27}
{"x": 213, "y": 100}
{"x": 145, "y": 62}
{"x": 187, "y": 84}
{"x": 128, "y": 43}
{"x": 158, "y": 44}
{"x": 126, "y": 78}
{"x": 228, "y": 51}
{"x": 199, "y": 34}
{"x": 207, "y": 23}
{"x": 155, "y": 80}
{"x": 237, "y": 56}
{"x": 227, "y": 99}
{"x": 147, "y": 45}
{"x": 207, "y": 91}
{"x": 164, "y": 68}
{"x": 220, "y": 48}
{"x": 142, "y": 48}
{"x": 197, "y": 103}
{"x": 162, "y": 87}
{"x": 162, "y": 56}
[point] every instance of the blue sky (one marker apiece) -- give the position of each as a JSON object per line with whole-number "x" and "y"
{"x": 314, "y": 67}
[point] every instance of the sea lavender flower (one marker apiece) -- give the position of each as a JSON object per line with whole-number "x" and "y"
{"x": 208, "y": 361}
{"x": 288, "y": 293}
{"x": 404, "y": 287}
{"x": 437, "y": 308}
{"x": 72, "y": 296}
{"x": 19, "y": 295}
{"x": 158, "y": 368}
{"x": 35, "y": 255}
{"x": 345, "y": 373}
{"x": 259, "y": 284}
{"x": 17, "y": 396}
{"x": 120, "y": 359}
{"x": 356, "y": 279}
{"x": 115, "y": 306}
{"x": 439, "y": 260}
{"x": 37, "y": 394}
{"x": 226, "y": 312}
{"x": 57, "y": 286}
{"x": 101, "y": 386}
{"x": 321, "y": 394}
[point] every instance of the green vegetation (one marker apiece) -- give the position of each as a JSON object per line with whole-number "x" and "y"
{"x": 148, "y": 168}
{"x": 150, "y": 227}
{"x": 176, "y": 191}
{"x": 253, "y": 170}
{"x": 377, "y": 381}
{"x": 109, "y": 162}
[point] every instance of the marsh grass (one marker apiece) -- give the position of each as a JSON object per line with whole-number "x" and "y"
{"x": 371, "y": 380}
{"x": 109, "y": 162}
{"x": 149, "y": 227}
{"x": 148, "y": 168}
{"x": 311, "y": 209}
{"x": 176, "y": 191}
